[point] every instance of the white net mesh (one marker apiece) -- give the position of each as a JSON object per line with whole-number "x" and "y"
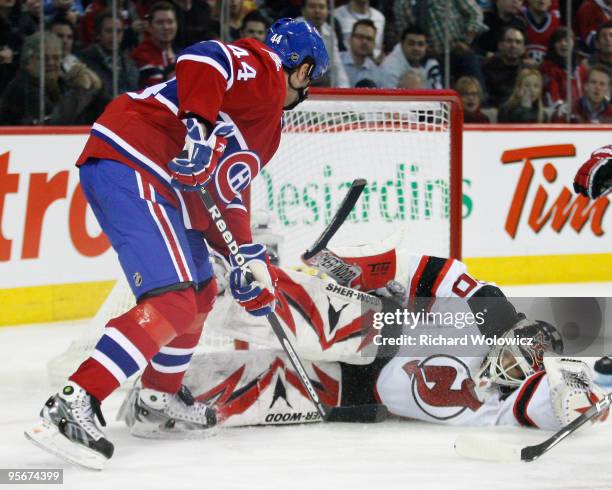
{"x": 401, "y": 147}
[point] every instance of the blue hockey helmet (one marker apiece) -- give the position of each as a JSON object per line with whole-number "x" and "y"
{"x": 297, "y": 41}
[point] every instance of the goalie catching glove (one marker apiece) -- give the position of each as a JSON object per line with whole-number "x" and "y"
{"x": 198, "y": 160}
{"x": 592, "y": 179}
{"x": 572, "y": 390}
{"x": 255, "y": 294}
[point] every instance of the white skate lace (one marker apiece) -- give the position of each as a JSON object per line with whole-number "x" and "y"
{"x": 84, "y": 408}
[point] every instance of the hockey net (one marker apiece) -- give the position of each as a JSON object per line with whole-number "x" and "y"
{"x": 406, "y": 144}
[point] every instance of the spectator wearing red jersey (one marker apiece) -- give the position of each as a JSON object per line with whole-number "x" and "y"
{"x": 590, "y": 15}
{"x": 540, "y": 24}
{"x": 155, "y": 56}
{"x": 554, "y": 69}
{"x": 471, "y": 94}
{"x": 594, "y": 105}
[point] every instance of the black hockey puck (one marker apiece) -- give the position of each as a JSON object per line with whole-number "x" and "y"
{"x": 604, "y": 365}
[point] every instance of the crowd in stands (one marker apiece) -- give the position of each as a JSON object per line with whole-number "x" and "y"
{"x": 508, "y": 58}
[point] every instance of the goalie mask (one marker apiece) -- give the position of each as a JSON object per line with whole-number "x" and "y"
{"x": 510, "y": 363}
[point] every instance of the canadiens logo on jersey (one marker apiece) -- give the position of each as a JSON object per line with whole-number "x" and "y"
{"x": 235, "y": 173}
{"x": 442, "y": 386}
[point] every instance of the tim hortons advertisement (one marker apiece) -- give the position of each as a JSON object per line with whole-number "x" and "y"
{"x": 525, "y": 204}
{"x": 517, "y": 199}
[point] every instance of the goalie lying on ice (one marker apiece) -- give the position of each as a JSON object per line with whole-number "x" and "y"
{"x": 511, "y": 376}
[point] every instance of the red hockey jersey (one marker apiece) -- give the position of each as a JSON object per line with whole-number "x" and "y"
{"x": 154, "y": 65}
{"x": 242, "y": 83}
{"x": 590, "y": 15}
{"x": 536, "y": 37}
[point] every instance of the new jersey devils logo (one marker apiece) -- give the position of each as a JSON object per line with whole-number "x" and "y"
{"x": 442, "y": 386}
{"x": 235, "y": 173}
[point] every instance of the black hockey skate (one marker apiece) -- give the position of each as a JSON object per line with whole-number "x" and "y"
{"x": 603, "y": 371}
{"x": 68, "y": 429}
{"x": 158, "y": 415}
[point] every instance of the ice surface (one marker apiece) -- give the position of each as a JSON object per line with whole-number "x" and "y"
{"x": 392, "y": 455}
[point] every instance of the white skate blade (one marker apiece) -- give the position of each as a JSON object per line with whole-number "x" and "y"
{"x": 484, "y": 448}
{"x": 150, "y": 431}
{"x": 47, "y": 436}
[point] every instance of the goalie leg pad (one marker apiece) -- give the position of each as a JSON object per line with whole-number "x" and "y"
{"x": 320, "y": 327}
{"x": 259, "y": 387}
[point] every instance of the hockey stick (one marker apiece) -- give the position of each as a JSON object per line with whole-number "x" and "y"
{"x": 359, "y": 413}
{"x": 480, "y": 448}
{"x": 319, "y": 256}
{"x": 346, "y": 206}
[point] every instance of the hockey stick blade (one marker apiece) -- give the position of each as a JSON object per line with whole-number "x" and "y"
{"x": 365, "y": 414}
{"x": 489, "y": 449}
{"x": 486, "y": 448}
{"x": 341, "y": 214}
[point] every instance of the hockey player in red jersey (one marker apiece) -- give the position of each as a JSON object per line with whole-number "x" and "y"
{"x": 522, "y": 384}
{"x": 216, "y": 124}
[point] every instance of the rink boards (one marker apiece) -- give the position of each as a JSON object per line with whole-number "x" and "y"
{"x": 521, "y": 222}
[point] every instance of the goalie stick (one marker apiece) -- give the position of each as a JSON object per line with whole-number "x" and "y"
{"x": 319, "y": 256}
{"x": 358, "y": 413}
{"x": 490, "y": 449}
{"x": 346, "y": 206}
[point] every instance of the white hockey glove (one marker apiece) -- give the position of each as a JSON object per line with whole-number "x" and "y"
{"x": 194, "y": 166}
{"x": 572, "y": 390}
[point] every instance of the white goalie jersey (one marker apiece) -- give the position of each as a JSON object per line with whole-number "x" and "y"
{"x": 434, "y": 383}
